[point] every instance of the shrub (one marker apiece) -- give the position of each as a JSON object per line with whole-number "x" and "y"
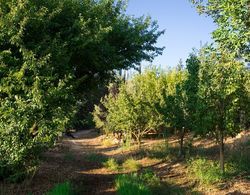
{"x": 61, "y": 189}
{"x": 205, "y": 171}
{"x": 137, "y": 184}
{"x": 131, "y": 165}
{"x": 111, "y": 164}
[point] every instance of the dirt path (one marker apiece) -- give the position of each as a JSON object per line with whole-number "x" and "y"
{"x": 79, "y": 160}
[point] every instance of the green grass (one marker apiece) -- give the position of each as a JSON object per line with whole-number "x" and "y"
{"x": 68, "y": 156}
{"x": 159, "y": 151}
{"x": 107, "y": 142}
{"x": 241, "y": 163}
{"x": 61, "y": 189}
{"x": 207, "y": 172}
{"x": 95, "y": 157}
{"x": 131, "y": 165}
{"x": 111, "y": 164}
{"x": 137, "y": 184}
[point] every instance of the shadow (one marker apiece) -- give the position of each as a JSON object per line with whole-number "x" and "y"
{"x": 94, "y": 184}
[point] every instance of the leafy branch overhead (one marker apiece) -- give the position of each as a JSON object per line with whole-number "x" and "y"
{"x": 52, "y": 54}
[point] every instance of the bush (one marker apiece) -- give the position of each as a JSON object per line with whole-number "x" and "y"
{"x": 131, "y": 165}
{"x": 111, "y": 165}
{"x": 205, "y": 171}
{"x": 61, "y": 189}
{"x": 137, "y": 184}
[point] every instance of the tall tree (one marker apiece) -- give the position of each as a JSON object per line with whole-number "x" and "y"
{"x": 191, "y": 89}
{"x": 233, "y": 20}
{"x": 53, "y": 53}
{"x": 175, "y": 107}
{"x": 222, "y": 96}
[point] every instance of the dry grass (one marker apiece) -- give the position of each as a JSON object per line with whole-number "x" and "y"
{"x": 77, "y": 161}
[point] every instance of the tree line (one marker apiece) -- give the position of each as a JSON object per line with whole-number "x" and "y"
{"x": 210, "y": 97}
{"x": 57, "y": 57}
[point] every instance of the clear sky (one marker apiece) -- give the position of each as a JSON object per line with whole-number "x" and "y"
{"x": 185, "y": 28}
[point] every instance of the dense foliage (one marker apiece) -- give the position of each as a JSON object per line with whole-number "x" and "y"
{"x": 210, "y": 98}
{"x": 134, "y": 109}
{"x": 233, "y": 20}
{"x": 223, "y": 98}
{"x": 53, "y": 53}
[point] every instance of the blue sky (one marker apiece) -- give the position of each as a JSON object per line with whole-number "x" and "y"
{"x": 185, "y": 28}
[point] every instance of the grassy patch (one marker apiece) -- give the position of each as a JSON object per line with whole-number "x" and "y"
{"x": 95, "y": 157}
{"x": 206, "y": 171}
{"x": 241, "y": 163}
{"x": 136, "y": 184}
{"x": 159, "y": 151}
{"x": 107, "y": 142}
{"x": 61, "y": 189}
{"x": 68, "y": 156}
{"x": 111, "y": 165}
{"x": 131, "y": 165}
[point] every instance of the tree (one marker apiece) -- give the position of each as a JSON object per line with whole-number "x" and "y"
{"x": 222, "y": 96}
{"x": 134, "y": 111}
{"x": 233, "y": 20}
{"x": 175, "y": 104}
{"x": 191, "y": 89}
{"x": 53, "y": 53}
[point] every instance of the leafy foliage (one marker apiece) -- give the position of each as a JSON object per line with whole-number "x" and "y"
{"x": 61, "y": 189}
{"x": 53, "y": 53}
{"x": 207, "y": 172}
{"x": 137, "y": 183}
{"x": 223, "y": 98}
{"x": 232, "y": 18}
{"x": 133, "y": 110}
{"x": 111, "y": 164}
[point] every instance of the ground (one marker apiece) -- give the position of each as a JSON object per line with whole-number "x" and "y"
{"x": 79, "y": 160}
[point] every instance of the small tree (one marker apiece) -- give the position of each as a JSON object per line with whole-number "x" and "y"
{"x": 175, "y": 107}
{"x": 134, "y": 110}
{"x": 222, "y": 96}
{"x": 191, "y": 89}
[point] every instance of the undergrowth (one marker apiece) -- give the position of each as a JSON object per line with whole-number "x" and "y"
{"x": 111, "y": 164}
{"x": 136, "y": 184}
{"x": 61, "y": 189}
{"x": 95, "y": 157}
{"x": 208, "y": 172}
{"x": 131, "y": 165}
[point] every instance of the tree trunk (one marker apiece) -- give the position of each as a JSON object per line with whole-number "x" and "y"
{"x": 138, "y": 141}
{"x": 221, "y": 142}
{"x": 182, "y": 134}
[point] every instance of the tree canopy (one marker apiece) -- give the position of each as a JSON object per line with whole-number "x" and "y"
{"x": 233, "y": 20}
{"x": 51, "y": 54}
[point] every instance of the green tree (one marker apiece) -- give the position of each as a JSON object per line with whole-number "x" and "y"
{"x": 233, "y": 20}
{"x": 191, "y": 89}
{"x": 134, "y": 109}
{"x": 175, "y": 104}
{"x": 222, "y": 96}
{"x": 53, "y": 53}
